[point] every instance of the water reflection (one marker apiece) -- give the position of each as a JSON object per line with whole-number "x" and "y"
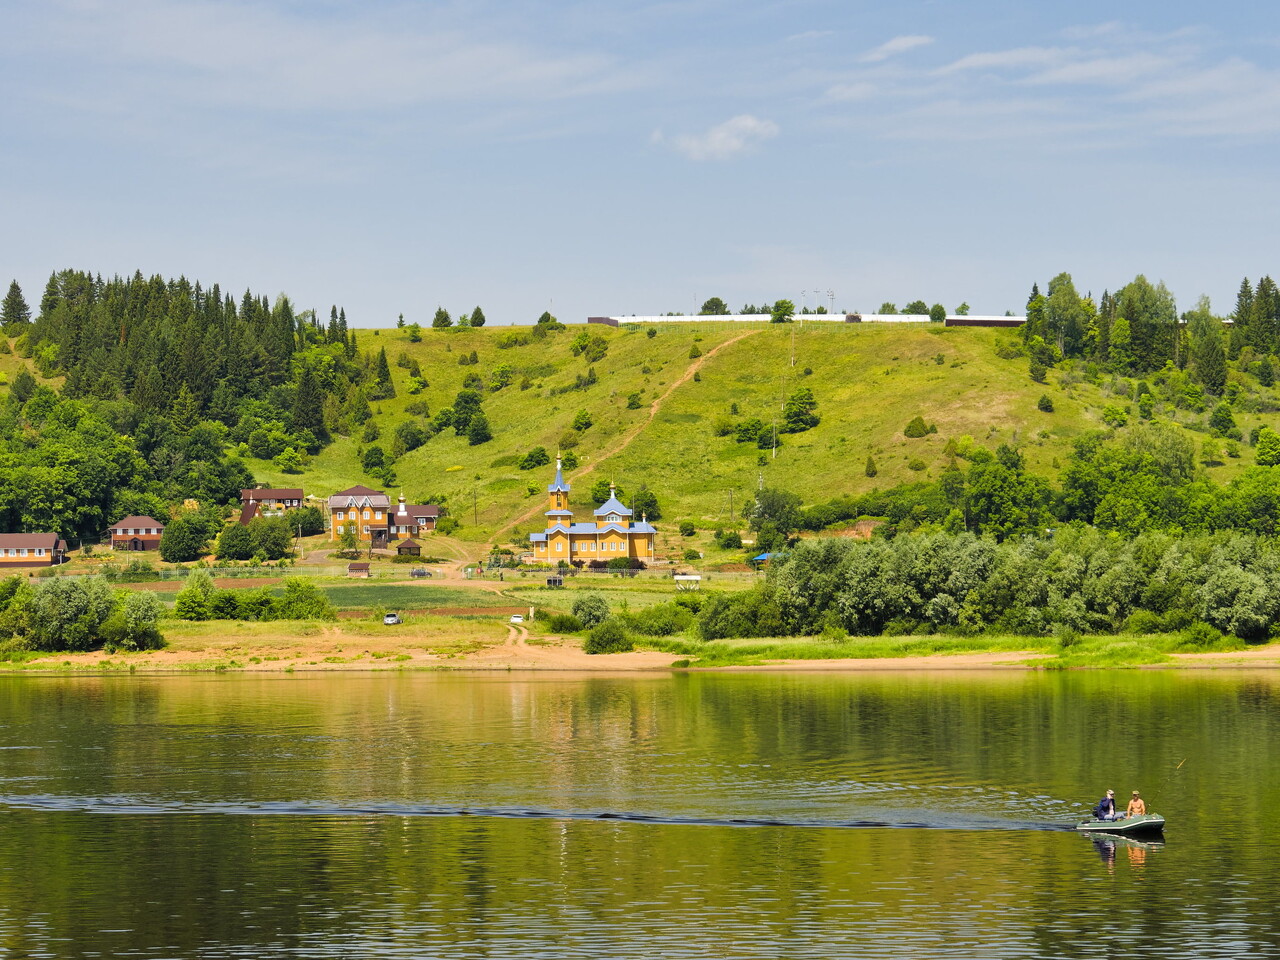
{"x": 445, "y": 816}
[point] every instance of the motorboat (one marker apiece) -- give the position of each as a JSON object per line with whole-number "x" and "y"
{"x": 1149, "y": 824}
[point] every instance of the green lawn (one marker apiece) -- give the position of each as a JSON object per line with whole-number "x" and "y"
{"x": 869, "y": 380}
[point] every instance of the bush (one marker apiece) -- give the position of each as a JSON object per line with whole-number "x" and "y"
{"x": 1037, "y": 371}
{"x": 608, "y": 637}
{"x": 917, "y": 428}
{"x": 916, "y": 464}
{"x": 1199, "y": 634}
{"x": 563, "y": 623}
{"x": 1045, "y": 403}
{"x": 1114, "y": 416}
{"x": 591, "y": 609}
{"x": 447, "y": 525}
{"x": 687, "y": 528}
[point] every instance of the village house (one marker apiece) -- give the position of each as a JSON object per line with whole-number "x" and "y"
{"x": 373, "y": 519}
{"x": 267, "y": 502}
{"x": 136, "y": 533}
{"x": 361, "y": 511}
{"x": 31, "y": 549}
{"x": 611, "y": 533}
{"x": 410, "y": 520}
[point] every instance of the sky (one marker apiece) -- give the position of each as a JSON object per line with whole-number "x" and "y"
{"x": 638, "y": 157}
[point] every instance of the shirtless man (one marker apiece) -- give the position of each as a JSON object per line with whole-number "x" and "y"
{"x": 1137, "y": 806}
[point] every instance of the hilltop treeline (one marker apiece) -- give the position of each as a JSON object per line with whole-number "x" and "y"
{"x": 1138, "y": 329}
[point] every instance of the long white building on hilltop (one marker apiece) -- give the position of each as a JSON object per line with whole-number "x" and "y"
{"x": 953, "y": 320}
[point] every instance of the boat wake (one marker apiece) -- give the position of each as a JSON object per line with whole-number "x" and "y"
{"x": 123, "y": 805}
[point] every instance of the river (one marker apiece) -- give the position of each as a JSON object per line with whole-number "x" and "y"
{"x": 685, "y": 816}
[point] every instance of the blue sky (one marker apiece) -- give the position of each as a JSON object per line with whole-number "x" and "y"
{"x": 639, "y": 157}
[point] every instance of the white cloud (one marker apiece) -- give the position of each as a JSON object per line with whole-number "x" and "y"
{"x": 245, "y": 54}
{"x": 724, "y": 140}
{"x": 892, "y": 48}
{"x": 1009, "y": 59}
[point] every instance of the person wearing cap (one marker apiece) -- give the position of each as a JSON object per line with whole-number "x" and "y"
{"x": 1106, "y": 808}
{"x": 1137, "y": 806}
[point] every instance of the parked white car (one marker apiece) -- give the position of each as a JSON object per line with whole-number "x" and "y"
{"x": 391, "y": 619}
{"x": 517, "y": 618}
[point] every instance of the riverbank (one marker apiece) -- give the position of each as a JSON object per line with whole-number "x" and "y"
{"x": 483, "y": 643}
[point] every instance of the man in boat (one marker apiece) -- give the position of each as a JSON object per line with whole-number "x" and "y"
{"x": 1106, "y": 808}
{"x": 1137, "y": 806}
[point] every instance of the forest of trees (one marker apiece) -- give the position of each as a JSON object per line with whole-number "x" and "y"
{"x": 163, "y": 380}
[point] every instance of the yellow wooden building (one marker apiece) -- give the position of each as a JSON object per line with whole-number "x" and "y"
{"x": 611, "y": 533}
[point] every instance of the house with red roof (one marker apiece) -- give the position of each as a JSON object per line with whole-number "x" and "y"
{"x": 31, "y": 549}
{"x": 136, "y": 533}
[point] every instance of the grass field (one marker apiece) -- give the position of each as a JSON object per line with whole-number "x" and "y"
{"x": 1094, "y": 651}
{"x": 869, "y": 380}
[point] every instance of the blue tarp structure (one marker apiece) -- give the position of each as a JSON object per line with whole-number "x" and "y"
{"x": 763, "y": 556}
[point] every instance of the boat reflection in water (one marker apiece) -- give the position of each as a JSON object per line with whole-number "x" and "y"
{"x": 1109, "y": 845}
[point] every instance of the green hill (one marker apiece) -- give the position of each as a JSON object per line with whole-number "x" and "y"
{"x": 869, "y": 381}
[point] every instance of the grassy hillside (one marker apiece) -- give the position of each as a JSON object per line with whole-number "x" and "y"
{"x": 869, "y": 380}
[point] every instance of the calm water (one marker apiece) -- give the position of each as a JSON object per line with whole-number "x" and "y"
{"x": 690, "y": 816}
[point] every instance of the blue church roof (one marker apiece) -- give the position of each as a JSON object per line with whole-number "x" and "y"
{"x": 612, "y": 505}
{"x": 558, "y": 484}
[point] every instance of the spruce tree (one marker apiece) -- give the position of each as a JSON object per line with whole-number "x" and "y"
{"x": 184, "y": 414}
{"x": 477, "y": 317}
{"x": 52, "y": 295}
{"x": 382, "y": 371}
{"x": 1211, "y": 362}
{"x": 1240, "y": 319}
{"x": 1266, "y": 313}
{"x": 14, "y": 313}
{"x": 308, "y": 406}
{"x": 441, "y": 319}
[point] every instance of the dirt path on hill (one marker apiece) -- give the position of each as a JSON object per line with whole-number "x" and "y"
{"x": 628, "y": 438}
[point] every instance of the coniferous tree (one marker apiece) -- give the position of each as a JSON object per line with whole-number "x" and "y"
{"x": 1211, "y": 362}
{"x": 1240, "y": 318}
{"x": 382, "y": 373}
{"x": 308, "y": 406}
{"x": 184, "y": 413}
{"x": 477, "y": 317}
{"x": 1266, "y": 314}
{"x": 442, "y": 319}
{"x": 15, "y": 313}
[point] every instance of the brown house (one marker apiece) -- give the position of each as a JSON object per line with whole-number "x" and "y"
{"x": 409, "y": 548}
{"x": 136, "y": 533}
{"x": 31, "y": 549}
{"x": 370, "y": 515}
{"x": 268, "y": 502}
{"x": 411, "y": 520}
{"x": 361, "y": 511}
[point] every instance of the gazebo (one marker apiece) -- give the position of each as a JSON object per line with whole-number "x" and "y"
{"x": 408, "y": 547}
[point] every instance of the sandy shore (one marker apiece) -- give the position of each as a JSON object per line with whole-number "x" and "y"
{"x": 480, "y": 646}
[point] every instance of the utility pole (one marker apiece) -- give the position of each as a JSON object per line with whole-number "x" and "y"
{"x": 475, "y": 508}
{"x": 731, "y": 504}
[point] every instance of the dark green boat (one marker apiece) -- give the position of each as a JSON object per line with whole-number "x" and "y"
{"x": 1149, "y": 824}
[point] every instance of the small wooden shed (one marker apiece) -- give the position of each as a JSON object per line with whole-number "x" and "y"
{"x": 358, "y": 570}
{"x": 408, "y": 547}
